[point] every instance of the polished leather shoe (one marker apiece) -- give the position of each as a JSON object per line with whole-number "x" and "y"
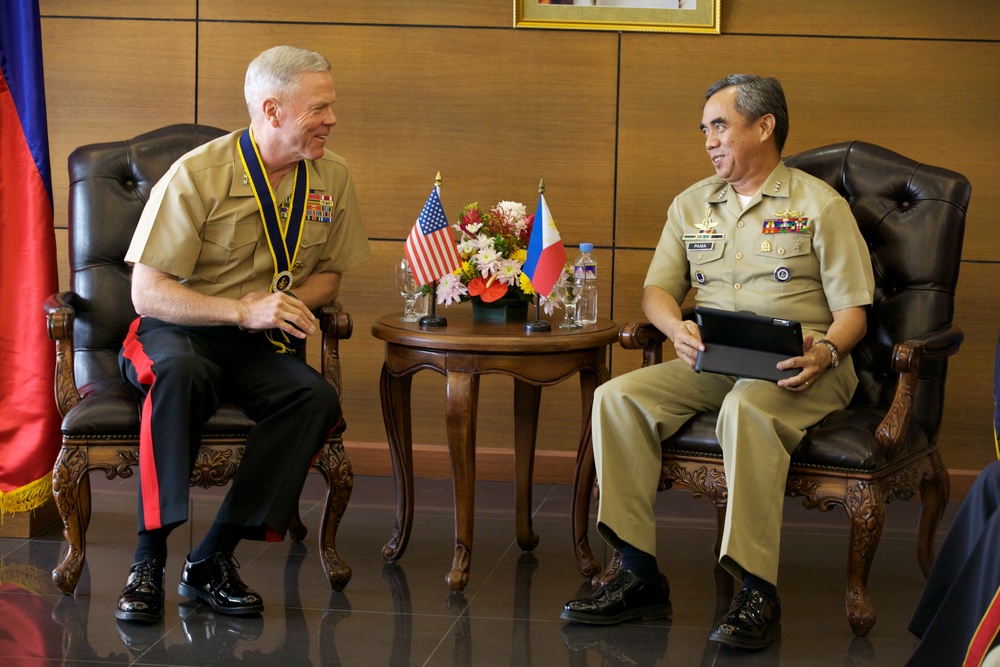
{"x": 625, "y": 597}
{"x": 754, "y": 621}
{"x": 142, "y": 598}
{"x": 216, "y": 582}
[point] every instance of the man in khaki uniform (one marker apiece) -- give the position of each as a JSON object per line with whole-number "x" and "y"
{"x": 240, "y": 241}
{"x": 761, "y": 237}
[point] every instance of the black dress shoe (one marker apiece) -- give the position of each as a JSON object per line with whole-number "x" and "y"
{"x": 142, "y": 598}
{"x": 754, "y": 621}
{"x": 625, "y": 598}
{"x": 216, "y": 582}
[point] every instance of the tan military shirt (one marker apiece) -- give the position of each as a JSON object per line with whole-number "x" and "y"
{"x": 202, "y": 223}
{"x": 794, "y": 252}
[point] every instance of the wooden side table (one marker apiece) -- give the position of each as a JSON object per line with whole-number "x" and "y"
{"x": 462, "y": 351}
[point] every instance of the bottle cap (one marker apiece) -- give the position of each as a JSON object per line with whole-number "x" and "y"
{"x": 586, "y": 247}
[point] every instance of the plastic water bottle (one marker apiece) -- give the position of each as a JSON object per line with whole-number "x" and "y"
{"x": 586, "y": 268}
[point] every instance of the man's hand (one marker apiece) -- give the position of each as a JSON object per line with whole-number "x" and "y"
{"x": 687, "y": 341}
{"x": 813, "y": 362}
{"x": 260, "y": 311}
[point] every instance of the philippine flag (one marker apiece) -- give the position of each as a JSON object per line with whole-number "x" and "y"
{"x": 29, "y": 422}
{"x": 546, "y": 253}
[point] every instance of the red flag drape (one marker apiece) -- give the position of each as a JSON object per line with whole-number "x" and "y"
{"x": 29, "y": 421}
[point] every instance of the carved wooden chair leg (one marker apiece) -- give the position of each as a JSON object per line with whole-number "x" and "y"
{"x": 935, "y": 487}
{"x": 865, "y": 507}
{"x": 336, "y": 468}
{"x": 609, "y": 572}
{"x": 71, "y": 490}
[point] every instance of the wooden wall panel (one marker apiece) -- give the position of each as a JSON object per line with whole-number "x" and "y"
{"x": 148, "y": 9}
{"x": 915, "y": 19}
{"x": 608, "y": 120}
{"x": 520, "y": 116}
{"x": 475, "y": 13}
{"x": 837, "y": 90}
{"x": 967, "y": 431}
{"x": 95, "y": 92}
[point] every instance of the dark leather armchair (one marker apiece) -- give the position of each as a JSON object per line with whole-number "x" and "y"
{"x": 883, "y": 446}
{"x": 109, "y": 185}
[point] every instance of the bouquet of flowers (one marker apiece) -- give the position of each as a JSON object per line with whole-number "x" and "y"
{"x": 493, "y": 247}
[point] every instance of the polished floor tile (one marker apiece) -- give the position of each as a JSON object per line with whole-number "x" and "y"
{"x": 404, "y": 614}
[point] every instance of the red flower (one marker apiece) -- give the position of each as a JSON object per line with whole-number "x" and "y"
{"x": 488, "y": 290}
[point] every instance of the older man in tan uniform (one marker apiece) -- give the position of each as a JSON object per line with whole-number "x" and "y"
{"x": 241, "y": 239}
{"x": 757, "y": 237}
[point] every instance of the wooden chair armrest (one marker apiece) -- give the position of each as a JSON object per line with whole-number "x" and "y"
{"x": 643, "y": 336}
{"x": 60, "y": 316}
{"x": 336, "y": 326}
{"x": 906, "y": 359}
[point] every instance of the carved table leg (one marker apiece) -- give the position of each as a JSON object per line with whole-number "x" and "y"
{"x": 336, "y": 468}
{"x": 526, "y": 400}
{"x": 395, "y": 393}
{"x": 71, "y": 490}
{"x": 583, "y": 480}
{"x": 462, "y": 399}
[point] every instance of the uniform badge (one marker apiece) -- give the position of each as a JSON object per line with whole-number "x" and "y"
{"x": 765, "y": 246}
{"x": 782, "y": 274}
{"x": 785, "y": 222}
{"x": 700, "y": 277}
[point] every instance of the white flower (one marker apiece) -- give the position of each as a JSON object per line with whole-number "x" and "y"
{"x": 508, "y": 271}
{"x": 450, "y": 289}
{"x": 488, "y": 260}
{"x": 513, "y": 211}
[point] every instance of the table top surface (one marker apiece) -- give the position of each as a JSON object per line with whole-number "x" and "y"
{"x": 461, "y": 333}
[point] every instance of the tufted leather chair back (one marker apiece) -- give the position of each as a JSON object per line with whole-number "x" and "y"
{"x": 912, "y": 216}
{"x": 109, "y": 186}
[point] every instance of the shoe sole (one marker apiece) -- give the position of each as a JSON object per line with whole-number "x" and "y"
{"x": 138, "y": 616}
{"x": 735, "y": 642}
{"x": 653, "y": 613}
{"x": 195, "y": 594}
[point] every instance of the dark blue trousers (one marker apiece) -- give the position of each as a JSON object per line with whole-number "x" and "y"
{"x": 184, "y": 373}
{"x": 961, "y": 600}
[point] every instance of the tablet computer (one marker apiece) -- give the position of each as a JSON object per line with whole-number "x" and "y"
{"x": 747, "y": 345}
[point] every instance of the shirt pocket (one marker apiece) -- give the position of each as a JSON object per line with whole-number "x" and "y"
{"x": 312, "y": 242}
{"x": 786, "y": 264}
{"x": 704, "y": 259}
{"x": 227, "y": 251}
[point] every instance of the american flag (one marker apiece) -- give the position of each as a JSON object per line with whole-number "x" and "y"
{"x": 429, "y": 248}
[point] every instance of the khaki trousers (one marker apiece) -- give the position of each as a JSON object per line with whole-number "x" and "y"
{"x": 760, "y": 425}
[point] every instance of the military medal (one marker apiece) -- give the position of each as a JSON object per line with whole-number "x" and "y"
{"x": 283, "y": 241}
{"x": 282, "y": 281}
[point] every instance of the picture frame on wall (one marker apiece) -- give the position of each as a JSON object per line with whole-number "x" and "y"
{"x": 689, "y": 16}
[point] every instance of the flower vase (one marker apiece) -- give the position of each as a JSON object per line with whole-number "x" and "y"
{"x": 503, "y": 310}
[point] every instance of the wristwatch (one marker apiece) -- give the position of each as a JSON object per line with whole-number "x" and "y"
{"x": 834, "y": 352}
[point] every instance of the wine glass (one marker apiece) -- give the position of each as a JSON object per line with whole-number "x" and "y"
{"x": 568, "y": 289}
{"x": 408, "y": 289}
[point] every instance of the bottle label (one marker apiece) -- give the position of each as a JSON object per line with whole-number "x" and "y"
{"x": 589, "y": 272}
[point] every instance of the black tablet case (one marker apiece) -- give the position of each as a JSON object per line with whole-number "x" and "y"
{"x": 746, "y": 345}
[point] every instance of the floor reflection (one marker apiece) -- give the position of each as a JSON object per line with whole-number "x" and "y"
{"x": 402, "y": 614}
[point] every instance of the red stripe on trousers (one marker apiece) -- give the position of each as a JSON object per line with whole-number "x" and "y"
{"x": 985, "y": 634}
{"x": 133, "y": 351}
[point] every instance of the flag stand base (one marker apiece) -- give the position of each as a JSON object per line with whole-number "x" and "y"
{"x": 25, "y": 525}
{"x": 432, "y": 321}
